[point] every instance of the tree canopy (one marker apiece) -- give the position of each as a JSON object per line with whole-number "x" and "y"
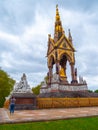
{"x": 96, "y": 91}
{"x": 90, "y": 91}
{"x": 36, "y": 90}
{"x": 6, "y": 85}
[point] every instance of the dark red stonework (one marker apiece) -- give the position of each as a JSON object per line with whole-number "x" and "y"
{"x": 24, "y": 101}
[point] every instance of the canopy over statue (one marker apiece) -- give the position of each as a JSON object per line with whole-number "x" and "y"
{"x": 60, "y": 52}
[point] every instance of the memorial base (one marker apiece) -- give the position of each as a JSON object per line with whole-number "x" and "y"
{"x": 24, "y": 101}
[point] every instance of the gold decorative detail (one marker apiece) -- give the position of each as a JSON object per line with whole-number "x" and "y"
{"x": 60, "y": 40}
{"x": 64, "y": 45}
{"x": 44, "y": 103}
{"x": 58, "y": 26}
{"x": 57, "y": 14}
{"x": 62, "y": 72}
{"x": 49, "y": 58}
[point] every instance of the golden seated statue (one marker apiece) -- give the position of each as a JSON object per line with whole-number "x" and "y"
{"x": 62, "y": 72}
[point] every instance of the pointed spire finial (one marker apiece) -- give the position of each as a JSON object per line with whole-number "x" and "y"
{"x": 57, "y": 14}
{"x": 58, "y": 25}
{"x": 70, "y": 37}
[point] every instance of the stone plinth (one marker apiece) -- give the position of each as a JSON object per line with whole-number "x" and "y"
{"x": 24, "y": 101}
{"x": 57, "y": 88}
{"x": 69, "y": 94}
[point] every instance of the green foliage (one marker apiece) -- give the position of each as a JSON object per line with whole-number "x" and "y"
{"x": 36, "y": 90}
{"x": 90, "y": 123}
{"x": 6, "y": 85}
{"x": 96, "y": 91}
{"x": 90, "y": 91}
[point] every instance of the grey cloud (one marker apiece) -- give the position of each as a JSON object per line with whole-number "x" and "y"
{"x": 78, "y": 5}
{"x": 16, "y": 14}
{"x": 26, "y": 25}
{"x": 33, "y": 78}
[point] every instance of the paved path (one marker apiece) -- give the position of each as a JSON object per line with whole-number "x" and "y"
{"x": 46, "y": 114}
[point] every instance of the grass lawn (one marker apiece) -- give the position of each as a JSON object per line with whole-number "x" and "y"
{"x": 70, "y": 124}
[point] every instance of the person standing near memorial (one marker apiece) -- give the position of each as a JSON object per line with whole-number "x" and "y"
{"x": 12, "y": 105}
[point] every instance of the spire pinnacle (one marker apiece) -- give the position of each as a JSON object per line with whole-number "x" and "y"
{"x": 70, "y": 37}
{"x": 58, "y": 25}
{"x": 57, "y": 14}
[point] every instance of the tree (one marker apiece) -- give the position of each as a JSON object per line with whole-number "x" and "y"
{"x": 96, "y": 91}
{"x": 6, "y": 86}
{"x": 90, "y": 91}
{"x": 36, "y": 90}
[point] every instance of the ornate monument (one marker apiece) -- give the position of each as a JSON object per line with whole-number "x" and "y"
{"x": 25, "y": 99}
{"x": 22, "y": 86}
{"x": 60, "y": 51}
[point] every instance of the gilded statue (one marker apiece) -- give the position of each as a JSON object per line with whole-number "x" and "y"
{"x": 62, "y": 72}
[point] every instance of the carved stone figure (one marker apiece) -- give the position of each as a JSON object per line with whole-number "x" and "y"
{"x": 55, "y": 78}
{"x": 22, "y": 86}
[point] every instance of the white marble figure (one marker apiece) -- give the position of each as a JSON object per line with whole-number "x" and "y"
{"x": 22, "y": 86}
{"x": 55, "y": 78}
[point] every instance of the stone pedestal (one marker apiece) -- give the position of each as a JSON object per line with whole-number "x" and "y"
{"x": 24, "y": 101}
{"x": 57, "y": 86}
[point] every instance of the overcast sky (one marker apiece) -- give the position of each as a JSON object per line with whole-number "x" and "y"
{"x": 24, "y": 29}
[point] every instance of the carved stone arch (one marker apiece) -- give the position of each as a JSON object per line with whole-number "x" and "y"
{"x": 67, "y": 56}
{"x": 70, "y": 59}
{"x": 63, "y": 60}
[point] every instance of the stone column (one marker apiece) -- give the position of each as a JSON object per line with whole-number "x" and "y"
{"x": 57, "y": 62}
{"x": 75, "y": 76}
{"x": 50, "y": 74}
{"x": 72, "y": 71}
{"x": 57, "y": 67}
{"x": 65, "y": 71}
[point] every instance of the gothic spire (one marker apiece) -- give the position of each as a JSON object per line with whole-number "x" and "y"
{"x": 70, "y": 37}
{"x": 58, "y": 25}
{"x": 57, "y": 14}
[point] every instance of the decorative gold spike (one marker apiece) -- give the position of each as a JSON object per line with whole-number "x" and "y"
{"x": 70, "y": 37}
{"x": 57, "y": 14}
